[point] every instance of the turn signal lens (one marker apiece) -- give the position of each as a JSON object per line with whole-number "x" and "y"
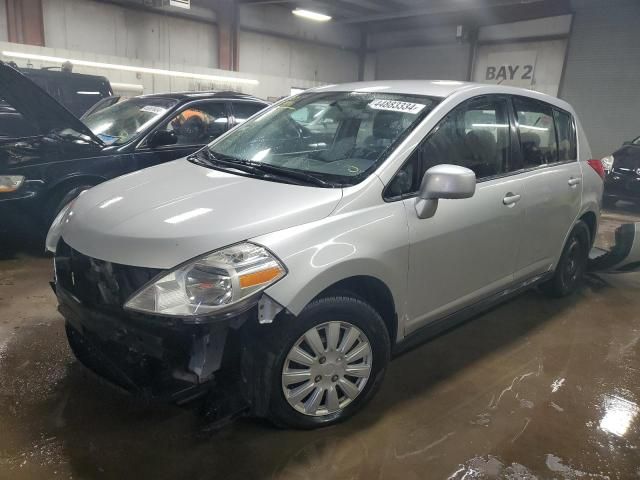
{"x": 261, "y": 277}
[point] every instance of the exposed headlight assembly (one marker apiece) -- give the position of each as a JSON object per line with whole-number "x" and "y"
{"x": 10, "y": 183}
{"x": 212, "y": 283}
{"x": 607, "y": 163}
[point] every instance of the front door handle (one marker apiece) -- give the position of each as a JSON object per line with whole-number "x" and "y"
{"x": 511, "y": 199}
{"x": 573, "y": 181}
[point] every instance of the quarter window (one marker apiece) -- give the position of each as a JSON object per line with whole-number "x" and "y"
{"x": 537, "y": 132}
{"x": 197, "y": 125}
{"x": 566, "y": 136}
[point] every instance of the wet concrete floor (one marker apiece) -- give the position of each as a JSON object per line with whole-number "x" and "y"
{"x": 535, "y": 388}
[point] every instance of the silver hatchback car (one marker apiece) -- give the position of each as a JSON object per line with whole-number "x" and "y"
{"x": 292, "y": 257}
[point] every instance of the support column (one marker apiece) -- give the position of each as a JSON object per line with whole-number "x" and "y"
{"x": 228, "y": 27}
{"x": 25, "y": 22}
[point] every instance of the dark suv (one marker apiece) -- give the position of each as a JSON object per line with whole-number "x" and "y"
{"x": 62, "y": 155}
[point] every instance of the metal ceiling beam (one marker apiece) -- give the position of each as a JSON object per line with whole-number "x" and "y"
{"x": 450, "y": 6}
{"x": 370, "y": 5}
{"x": 325, "y": 6}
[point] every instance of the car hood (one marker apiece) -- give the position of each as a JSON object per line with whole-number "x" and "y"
{"x": 37, "y": 106}
{"x": 165, "y": 215}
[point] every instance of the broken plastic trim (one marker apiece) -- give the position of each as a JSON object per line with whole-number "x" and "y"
{"x": 268, "y": 309}
{"x": 624, "y": 257}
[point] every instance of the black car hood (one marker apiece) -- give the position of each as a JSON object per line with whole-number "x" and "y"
{"x": 37, "y": 106}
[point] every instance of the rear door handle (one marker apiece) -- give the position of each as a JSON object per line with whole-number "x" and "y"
{"x": 573, "y": 181}
{"x": 511, "y": 199}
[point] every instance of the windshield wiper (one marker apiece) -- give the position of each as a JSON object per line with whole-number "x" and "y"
{"x": 295, "y": 174}
{"x": 257, "y": 168}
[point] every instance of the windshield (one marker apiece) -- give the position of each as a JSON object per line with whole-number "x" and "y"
{"x": 636, "y": 141}
{"x": 337, "y": 137}
{"x": 122, "y": 122}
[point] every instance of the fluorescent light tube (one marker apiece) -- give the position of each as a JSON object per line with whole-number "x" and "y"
{"x": 130, "y": 68}
{"x": 318, "y": 17}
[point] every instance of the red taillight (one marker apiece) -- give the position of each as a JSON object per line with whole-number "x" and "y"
{"x": 597, "y": 166}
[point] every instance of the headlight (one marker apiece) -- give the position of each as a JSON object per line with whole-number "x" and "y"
{"x": 10, "y": 183}
{"x": 210, "y": 283}
{"x": 607, "y": 163}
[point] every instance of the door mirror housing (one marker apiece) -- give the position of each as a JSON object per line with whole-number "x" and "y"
{"x": 162, "y": 138}
{"x": 443, "y": 181}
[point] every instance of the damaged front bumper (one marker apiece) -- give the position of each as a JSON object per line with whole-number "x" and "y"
{"x": 157, "y": 357}
{"x": 171, "y": 361}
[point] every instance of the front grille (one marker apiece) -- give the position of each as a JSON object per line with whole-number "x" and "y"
{"x": 97, "y": 283}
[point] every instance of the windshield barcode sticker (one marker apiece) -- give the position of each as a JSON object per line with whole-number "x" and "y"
{"x": 153, "y": 109}
{"x": 396, "y": 106}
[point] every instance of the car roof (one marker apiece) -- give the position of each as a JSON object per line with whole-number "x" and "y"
{"x": 45, "y": 72}
{"x": 441, "y": 89}
{"x": 218, "y": 94}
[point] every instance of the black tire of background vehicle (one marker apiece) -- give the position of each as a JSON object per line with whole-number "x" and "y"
{"x": 268, "y": 359}
{"x": 58, "y": 201}
{"x": 572, "y": 265}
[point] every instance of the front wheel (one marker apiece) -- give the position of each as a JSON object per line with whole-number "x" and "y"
{"x": 572, "y": 265}
{"x": 325, "y": 364}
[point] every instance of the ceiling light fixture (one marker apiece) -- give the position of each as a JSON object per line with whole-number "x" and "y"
{"x": 127, "y": 86}
{"x": 131, "y": 68}
{"x": 318, "y": 17}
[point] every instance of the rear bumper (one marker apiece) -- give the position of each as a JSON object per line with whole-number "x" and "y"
{"x": 168, "y": 362}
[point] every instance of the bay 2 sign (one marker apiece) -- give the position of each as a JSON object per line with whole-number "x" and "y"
{"x": 511, "y": 68}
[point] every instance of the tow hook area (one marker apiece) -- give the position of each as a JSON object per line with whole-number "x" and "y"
{"x": 623, "y": 257}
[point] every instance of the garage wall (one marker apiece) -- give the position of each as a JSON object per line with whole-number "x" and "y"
{"x": 3, "y": 21}
{"x": 602, "y": 72}
{"x": 450, "y": 62}
{"x": 320, "y": 51}
{"x": 108, "y": 29}
{"x": 270, "y": 55}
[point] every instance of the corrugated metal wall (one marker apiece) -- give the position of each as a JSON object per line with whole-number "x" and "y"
{"x": 450, "y": 62}
{"x": 602, "y": 72}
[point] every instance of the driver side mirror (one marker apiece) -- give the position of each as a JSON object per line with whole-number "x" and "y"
{"x": 162, "y": 138}
{"x": 443, "y": 181}
{"x": 628, "y": 142}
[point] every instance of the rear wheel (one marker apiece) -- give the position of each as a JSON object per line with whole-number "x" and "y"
{"x": 572, "y": 265}
{"x": 325, "y": 364}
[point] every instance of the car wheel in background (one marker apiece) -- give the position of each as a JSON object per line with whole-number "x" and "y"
{"x": 321, "y": 367}
{"x": 572, "y": 265}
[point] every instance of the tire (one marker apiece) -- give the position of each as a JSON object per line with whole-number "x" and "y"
{"x": 273, "y": 364}
{"x": 572, "y": 265}
{"x": 59, "y": 200}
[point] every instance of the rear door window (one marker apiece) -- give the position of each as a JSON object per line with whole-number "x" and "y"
{"x": 244, "y": 110}
{"x": 537, "y": 132}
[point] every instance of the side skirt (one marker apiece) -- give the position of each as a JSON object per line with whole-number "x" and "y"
{"x": 448, "y": 322}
